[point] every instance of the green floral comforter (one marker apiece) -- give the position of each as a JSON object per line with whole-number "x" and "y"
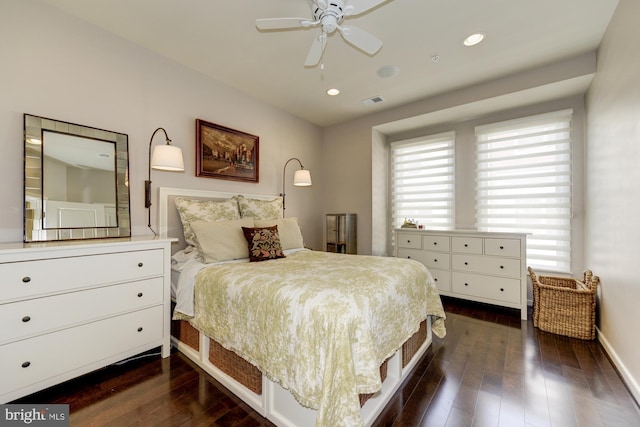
{"x": 319, "y": 324}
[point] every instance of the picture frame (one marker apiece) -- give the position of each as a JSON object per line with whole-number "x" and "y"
{"x": 225, "y": 153}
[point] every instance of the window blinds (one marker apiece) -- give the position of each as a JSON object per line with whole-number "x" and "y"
{"x": 423, "y": 181}
{"x": 523, "y": 184}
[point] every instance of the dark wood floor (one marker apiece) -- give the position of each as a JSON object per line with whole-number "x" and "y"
{"x": 490, "y": 370}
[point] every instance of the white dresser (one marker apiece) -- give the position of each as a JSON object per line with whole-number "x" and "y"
{"x": 68, "y": 308}
{"x": 484, "y": 267}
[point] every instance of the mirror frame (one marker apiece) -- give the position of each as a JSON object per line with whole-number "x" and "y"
{"x": 33, "y": 230}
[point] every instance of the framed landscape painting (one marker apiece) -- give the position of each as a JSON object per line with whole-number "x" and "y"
{"x": 226, "y": 153}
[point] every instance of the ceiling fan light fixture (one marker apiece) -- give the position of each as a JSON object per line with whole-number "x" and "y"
{"x": 473, "y": 39}
{"x": 333, "y": 92}
{"x": 329, "y": 17}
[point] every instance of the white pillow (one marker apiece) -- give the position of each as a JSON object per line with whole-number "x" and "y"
{"x": 288, "y": 229}
{"x": 221, "y": 240}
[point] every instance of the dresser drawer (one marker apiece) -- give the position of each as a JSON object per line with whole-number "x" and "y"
{"x": 411, "y": 241}
{"x": 66, "y": 353}
{"x": 502, "y": 247}
{"x": 494, "y": 288}
{"x": 435, "y": 243}
{"x": 428, "y": 258}
{"x": 415, "y": 254}
{"x": 39, "y": 315}
{"x": 486, "y": 265}
{"x": 48, "y": 276}
{"x": 467, "y": 245}
{"x": 437, "y": 260}
{"x": 442, "y": 278}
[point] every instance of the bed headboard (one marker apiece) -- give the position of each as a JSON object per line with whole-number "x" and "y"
{"x": 169, "y": 224}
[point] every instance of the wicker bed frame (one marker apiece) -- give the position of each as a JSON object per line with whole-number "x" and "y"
{"x": 244, "y": 379}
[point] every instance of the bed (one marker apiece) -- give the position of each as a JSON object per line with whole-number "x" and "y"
{"x": 304, "y": 337}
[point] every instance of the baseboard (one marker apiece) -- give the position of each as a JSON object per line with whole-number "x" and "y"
{"x": 628, "y": 379}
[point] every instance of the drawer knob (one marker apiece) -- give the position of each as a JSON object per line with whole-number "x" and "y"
{"x": 140, "y": 329}
{"x": 435, "y": 260}
{"x": 139, "y": 294}
{"x": 466, "y": 246}
{"x": 502, "y": 267}
{"x": 501, "y": 289}
{"x": 435, "y": 243}
{"x": 435, "y": 279}
{"x": 140, "y": 264}
{"x": 466, "y": 263}
{"x": 25, "y": 319}
{"x": 26, "y": 364}
{"x": 501, "y": 247}
{"x": 466, "y": 284}
{"x": 408, "y": 241}
{"x": 26, "y": 279}
{"x": 408, "y": 256}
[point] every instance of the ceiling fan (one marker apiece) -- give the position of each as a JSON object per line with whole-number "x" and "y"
{"x": 328, "y": 15}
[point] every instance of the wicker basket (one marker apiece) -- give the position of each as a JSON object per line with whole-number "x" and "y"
{"x": 565, "y": 306}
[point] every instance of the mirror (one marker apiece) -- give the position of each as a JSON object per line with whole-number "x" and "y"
{"x": 75, "y": 181}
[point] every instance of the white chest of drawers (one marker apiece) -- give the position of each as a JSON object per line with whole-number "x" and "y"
{"x": 70, "y": 308}
{"x": 484, "y": 267}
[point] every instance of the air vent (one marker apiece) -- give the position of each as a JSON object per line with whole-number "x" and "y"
{"x": 373, "y": 100}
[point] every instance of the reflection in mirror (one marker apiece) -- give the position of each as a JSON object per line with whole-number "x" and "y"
{"x": 76, "y": 182}
{"x": 79, "y": 181}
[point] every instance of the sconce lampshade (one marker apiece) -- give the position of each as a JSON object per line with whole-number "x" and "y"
{"x": 302, "y": 178}
{"x": 167, "y": 157}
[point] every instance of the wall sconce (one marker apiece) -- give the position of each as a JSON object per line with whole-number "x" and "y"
{"x": 302, "y": 178}
{"x": 165, "y": 157}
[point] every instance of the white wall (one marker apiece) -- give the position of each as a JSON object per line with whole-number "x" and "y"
{"x": 56, "y": 66}
{"x": 612, "y": 189}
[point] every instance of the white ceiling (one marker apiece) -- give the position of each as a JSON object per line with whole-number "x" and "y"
{"x": 219, "y": 38}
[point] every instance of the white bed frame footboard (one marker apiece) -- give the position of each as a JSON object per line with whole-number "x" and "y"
{"x": 275, "y": 403}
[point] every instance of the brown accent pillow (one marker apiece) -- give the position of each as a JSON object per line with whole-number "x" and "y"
{"x": 264, "y": 243}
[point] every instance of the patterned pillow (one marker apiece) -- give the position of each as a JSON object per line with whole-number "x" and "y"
{"x": 204, "y": 210}
{"x": 264, "y": 243}
{"x": 260, "y": 209}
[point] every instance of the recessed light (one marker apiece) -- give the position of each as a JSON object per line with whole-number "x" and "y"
{"x": 333, "y": 92}
{"x": 473, "y": 39}
{"x": 388, "y": 71}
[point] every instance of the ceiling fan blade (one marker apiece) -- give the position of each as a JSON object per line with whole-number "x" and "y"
{"x": 282, "y": 23}
{"x": 361, "y": 39}
{"x": 356, "y": 7}
{"x": 316, "y": 51}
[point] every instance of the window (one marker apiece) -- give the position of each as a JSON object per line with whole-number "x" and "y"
{"x": 523, "y": 184}
{"x": 423, "y": 181}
